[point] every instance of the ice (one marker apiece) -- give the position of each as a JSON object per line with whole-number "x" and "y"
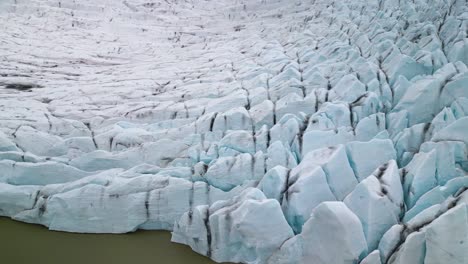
{"x": 39, "y": 143}
{"x": 420, "y": 177}
{"x": 298, "y": 202}
{"x": 333, "y": 234}
{"x": 14, "y": 199}
{"x": 293, "y": 102}
{"x": 102, "y": 160}
{"x": 436, "y": 196}
{"x": 335, "y": 164}
{"x": 237, "y": 142}
{"x": 330, "y": 116}
{"x": 6, "y": 144}
{"x": 412, "y": 251}
{"x": 235, "y": 230}
{"x": 450, "y": 157}
{"x": 278, "y": 154}
{"x": 458, "y": 52}
{"x": 262, "y": 114}
{"x": 365, "y": 157}
{"x": 234, "y": 119}
{"x": 370, "y": 126}
{"x": 390, "y": 241}
{"x": 229, "y": 172}
{"x": 273, "y": 183}
{"x": 372, "y": 258}
{"x": 409, "y": 141}
{"x": 426, "y": 92}
{"x": 324, "y": 131}
{"x": 453, "y": 132}
{"x": 446, "y": 237}
{"x": 316, "y": 139}
{"x": 112, "y": 202}
{"x": 43, "y": 173}
{"x": 286, "y": 129}
{"x": 349, "y": 88}
{"x": 372, "y": 203}
{"x": 439, "y": 241}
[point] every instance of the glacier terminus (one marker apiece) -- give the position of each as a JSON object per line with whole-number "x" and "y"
{"x": 256, "y": 131}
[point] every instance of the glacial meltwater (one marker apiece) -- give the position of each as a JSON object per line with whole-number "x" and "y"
{"x": 27, "y": 243}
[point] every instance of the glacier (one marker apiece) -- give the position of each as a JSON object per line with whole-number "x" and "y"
{"x": 256, "y": 131}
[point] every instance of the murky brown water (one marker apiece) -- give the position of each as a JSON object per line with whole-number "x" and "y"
{"x": 22, "y": 243}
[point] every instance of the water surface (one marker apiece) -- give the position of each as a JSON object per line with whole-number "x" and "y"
{"x": 22, "y": 243}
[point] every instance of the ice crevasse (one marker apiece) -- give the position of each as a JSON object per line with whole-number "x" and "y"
{"x": 256, "y": 131}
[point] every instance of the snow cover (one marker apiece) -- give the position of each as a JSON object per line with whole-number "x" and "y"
{"x": 261, "y": 131}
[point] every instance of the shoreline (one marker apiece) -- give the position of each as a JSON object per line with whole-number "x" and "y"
{"x": 30, "y": 243}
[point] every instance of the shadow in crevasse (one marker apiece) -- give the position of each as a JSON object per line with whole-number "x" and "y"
{"x": 20, "y": 86}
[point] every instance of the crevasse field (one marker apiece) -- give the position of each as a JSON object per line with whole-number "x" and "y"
{"x": 260, "y": 131}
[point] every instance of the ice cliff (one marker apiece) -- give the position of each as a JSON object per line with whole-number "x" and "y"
{"x": 262, "y": 131}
